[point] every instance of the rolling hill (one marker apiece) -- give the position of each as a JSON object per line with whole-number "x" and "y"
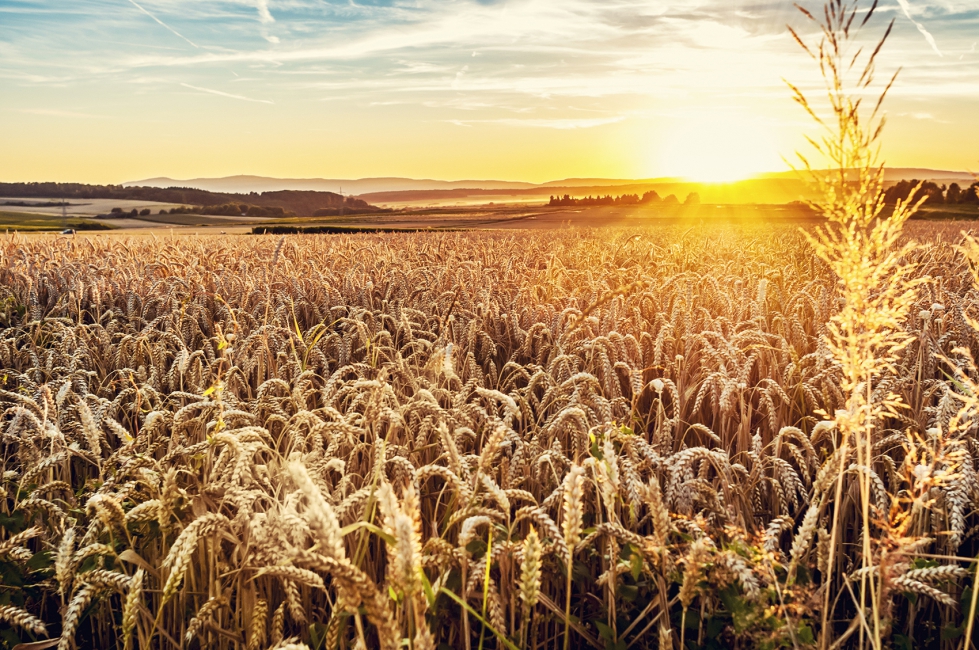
{"x": 779, "y": 187}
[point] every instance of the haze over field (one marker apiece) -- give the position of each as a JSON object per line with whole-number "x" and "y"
{"x": 107, "y": 91}
{"x": 782, "y": 187}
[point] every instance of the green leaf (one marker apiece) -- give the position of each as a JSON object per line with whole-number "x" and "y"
{"x": 476, "y": 547}
{"x": 923, "y": 563}
{"x": 8, "y": 638}
{"x": 738, "y": 606}
{"x": 635, "y": 566}
{"x": 346, "y": 530}
{"x": 805, "y": 634}
{"x": 317, "y": 635}
{"x": 14, "y": 523}
{"x": 628, "y": 593}
{"x": 429, "y": 593}
{"x": 802, "y": 576}
{"x": 692, "y": 619}
{"x": 505, "y": 641}
{"x": 966, "y": 599}
{"x": 10, "y": 575}
{"x": 604, "y": 631}
{"x": 715, "y": 626}
{"x": 594, "y": 448}
{"x": 40, "y": 561}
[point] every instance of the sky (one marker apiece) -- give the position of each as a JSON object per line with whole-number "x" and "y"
{"x": 109, "y": 91}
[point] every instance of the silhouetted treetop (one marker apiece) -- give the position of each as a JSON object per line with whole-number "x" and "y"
{"x": 302, "y": 203}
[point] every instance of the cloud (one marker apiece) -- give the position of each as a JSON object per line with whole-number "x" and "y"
{"x": 265, "y": 17}
{"x": 133, "y": 2}
{"x": 928, "y": 117}
{"x": 492, "y": 57}
{"x": 224, "y": 94}
{"x": 906, "y": 6}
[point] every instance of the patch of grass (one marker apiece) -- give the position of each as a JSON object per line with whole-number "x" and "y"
{"x": 28, "y": 222}
{"x": 337, "y": 230}
{"x": 962, "y": 212}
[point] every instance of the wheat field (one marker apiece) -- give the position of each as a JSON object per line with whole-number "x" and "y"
{"x": 690, "y": 436}
{"x": 585, "y": 438}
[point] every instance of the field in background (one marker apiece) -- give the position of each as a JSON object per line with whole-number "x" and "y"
{"x": 237, "y": 440}
{"x": 503, "y": 216}
{"x": 80, "y": 207}
{"x": 30, "y": 222}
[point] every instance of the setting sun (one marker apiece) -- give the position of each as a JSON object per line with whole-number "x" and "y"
{"x": 717, "y": 148}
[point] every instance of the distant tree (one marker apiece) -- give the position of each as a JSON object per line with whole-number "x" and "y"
{"x": 901, "y": 191}
{"x": 671, "y": 200}
{"x": 971, "y": 195}
{"x": 692, "y": 199}
{"x": 144, "y": 212}
{"x": 163, "y": 211}
{"x": 116, "y": 211}
{"x": 608, "y": 199}
{"x": 954, "y": 194}
{"x": 134, "y": 212}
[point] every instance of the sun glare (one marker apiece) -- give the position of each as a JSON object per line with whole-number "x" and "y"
{"x": 716, "y": 148}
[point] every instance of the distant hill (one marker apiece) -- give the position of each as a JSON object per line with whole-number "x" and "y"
{"x": 775, "y": 191}
{"x": 302, "y": 203}
{"x": 247, "y": 184}
{"x": 778, "y": 187}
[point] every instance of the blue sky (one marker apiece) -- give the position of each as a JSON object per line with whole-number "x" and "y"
{"x": 113, "y": 90}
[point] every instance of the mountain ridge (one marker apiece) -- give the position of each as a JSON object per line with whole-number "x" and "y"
{"x": 246, "y": 183}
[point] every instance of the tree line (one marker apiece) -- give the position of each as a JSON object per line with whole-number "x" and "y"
{"x": 300, "y": 202}
{"x": 224, "y": 210}
{"x": 233, "y": 210}
{"x": 650, "y": 197}
{"x": 933, "y": 193}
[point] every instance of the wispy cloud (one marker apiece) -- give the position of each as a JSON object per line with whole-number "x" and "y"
{"x": 221, "y": 93}
{"x": 906, "y": 6}
{"x": 140, "y": 7}
{"x": 266, "y": 19}
{"x": 924, "y": 116}
{"x": 385, "y": 71}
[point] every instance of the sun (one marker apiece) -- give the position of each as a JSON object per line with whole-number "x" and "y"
{"x": 716, "y": 147}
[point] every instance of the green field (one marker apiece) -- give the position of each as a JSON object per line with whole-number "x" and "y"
{"x": 955, "y": 212}
{"x": 25, "y": 221}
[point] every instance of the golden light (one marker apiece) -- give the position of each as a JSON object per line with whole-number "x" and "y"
{"x": 716, "y": 148}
